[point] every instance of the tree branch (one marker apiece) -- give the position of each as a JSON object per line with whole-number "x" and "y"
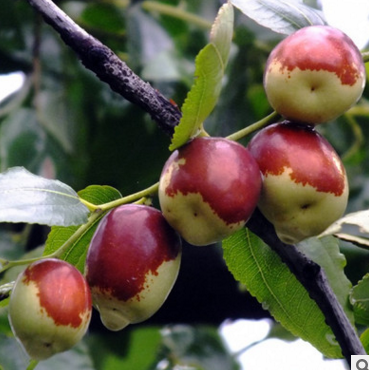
{"x": 110, "y": 69}
{"x": 314, "y": 279}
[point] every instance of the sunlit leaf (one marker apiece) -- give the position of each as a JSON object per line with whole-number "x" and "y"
{"x": 267, "y": 278}
{"x": 76, "y": 254}
{"x": 221, "y": 33}
{"x": 282, "y": 16}
{"x": 356, "y": 240}
{"x": 359, "y": 219}
{"x": 202, "y": 98}
{"x": 210, "y": 66}
{"x": 25, "y": 197}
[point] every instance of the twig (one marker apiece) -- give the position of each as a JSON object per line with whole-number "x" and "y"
{"x": 110, "y": 69}
{"x": 314, "y": 279}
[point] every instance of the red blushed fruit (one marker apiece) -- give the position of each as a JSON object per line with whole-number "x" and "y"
{"x": 132, "y": 264}
{"x": 50, "y": 307}
{"x": 208, "y": 189}
{"x": 314, "y": 75}
{"x": 305, "y": 185}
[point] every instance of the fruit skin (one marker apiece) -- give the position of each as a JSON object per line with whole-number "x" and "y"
{"x": 132, "y": 264}
{"x": 208, "y": 189}
{"x": 305, "y": 186}
{"x": 50, "y": 308}
{"x": 314, "y": 75}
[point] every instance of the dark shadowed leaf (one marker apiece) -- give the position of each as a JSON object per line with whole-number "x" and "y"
{"x": 359, "y": 298}
{"x": 126, "y": 350}
{"x": 197, "y": 348}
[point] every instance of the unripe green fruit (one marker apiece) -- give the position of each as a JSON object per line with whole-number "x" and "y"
{"x": 314, "y": 75}
{"x": 132, "y": 264}
{"x": 50, "y": 308}
{"x": 208, "y": 189}
{"x": 305, "y": 185}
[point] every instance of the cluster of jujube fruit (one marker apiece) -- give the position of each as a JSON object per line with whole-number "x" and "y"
{"x": 131, "y": 265}
{"x": 208, "y": 190}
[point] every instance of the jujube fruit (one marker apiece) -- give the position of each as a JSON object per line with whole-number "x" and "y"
{"x": 305, "y": 185}
{"x": 314, "y": 75}
{"x": 50, "y": 308}
{"x": 132, "y": 264}
{"x": 208, "y": 189}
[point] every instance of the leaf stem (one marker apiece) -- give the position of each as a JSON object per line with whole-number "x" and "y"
{"x": 176, "y": 12}
{"x": 236, "y": 136}
{"x": 97, "y": 212}
{"x": 153, "y": 189}
{"x": 6, "y": 264}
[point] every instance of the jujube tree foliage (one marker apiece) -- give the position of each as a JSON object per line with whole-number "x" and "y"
{"x": 276, "y": 190}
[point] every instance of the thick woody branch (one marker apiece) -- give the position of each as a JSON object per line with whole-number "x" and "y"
{"x": 110, "y": 69}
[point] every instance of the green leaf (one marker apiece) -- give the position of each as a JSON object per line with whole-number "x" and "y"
{"x": 283, "y": 16}
{"x": 202, "y": 98}
{"x": 359, "y": 298}
{"x": 364, "y": 338}
{"x": 326, "y": 253}
{"x": 209, "y": 72}
{"x": 221, "y": 33}
{"x": 97, "y": 194}
{"x": 267, "y": 278}
{"x": 76, "y": 254}
{"x": 25, "y": 197}
{"x": 356, "y": 240}
{"x": 359, "y": 219}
